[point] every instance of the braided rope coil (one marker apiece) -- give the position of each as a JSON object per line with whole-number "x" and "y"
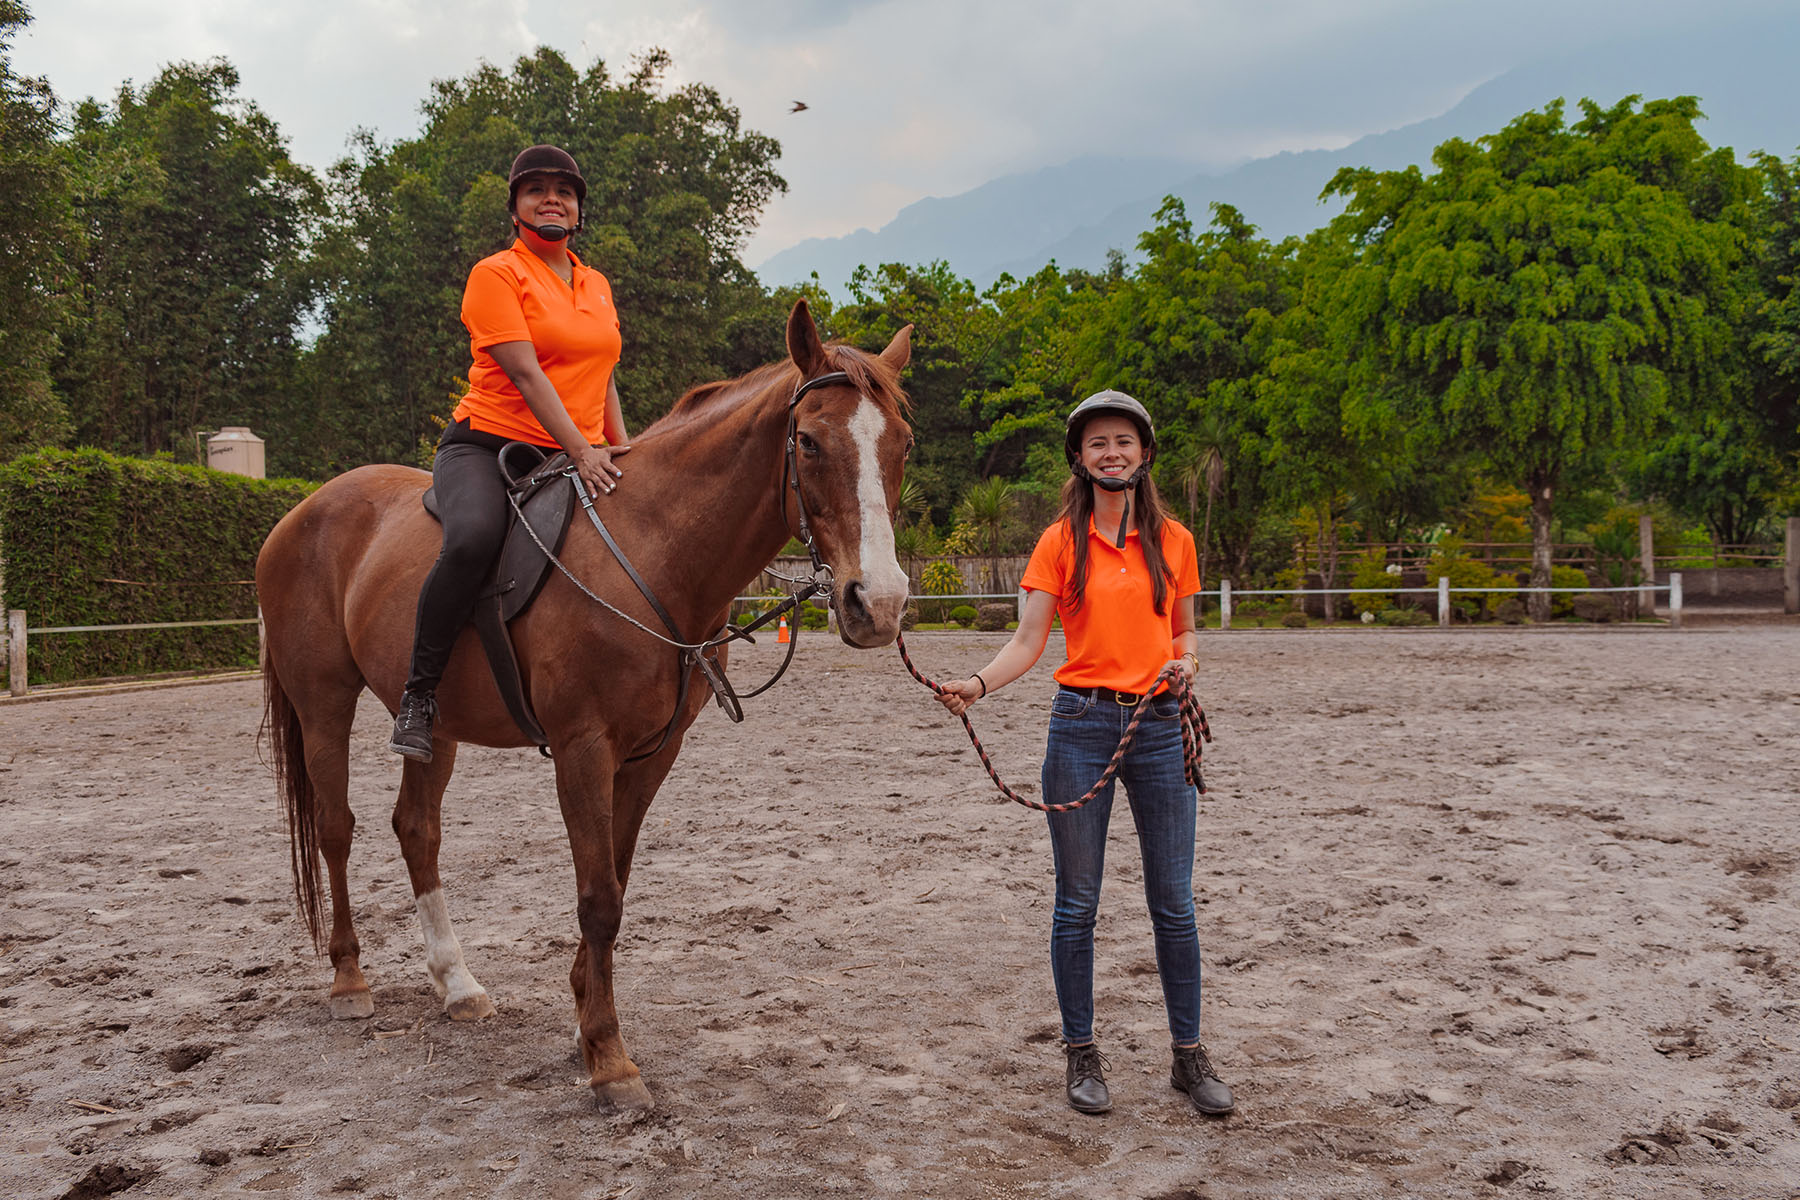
{"x": 1194, "y": 731}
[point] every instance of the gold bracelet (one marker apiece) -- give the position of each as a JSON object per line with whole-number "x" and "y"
{"x": 1193, "y": 658}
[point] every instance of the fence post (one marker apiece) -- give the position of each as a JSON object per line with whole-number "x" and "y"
{"x": 1790, "y": 569}
{"x": 1224, "y": 604}
{"x": 1647, "y": 555}
{"x": 1443, "y": 602}
{"x": 1675, "y": 599}
{"x": 15, "y": 647}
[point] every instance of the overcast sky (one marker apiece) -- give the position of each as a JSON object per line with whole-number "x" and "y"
{"x": 908, "y": 100}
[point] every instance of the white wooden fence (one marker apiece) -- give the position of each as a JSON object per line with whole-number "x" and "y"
{"x": 18, "y": 630}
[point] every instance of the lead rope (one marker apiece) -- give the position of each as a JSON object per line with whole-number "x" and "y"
{"x": 1193, "y": 730}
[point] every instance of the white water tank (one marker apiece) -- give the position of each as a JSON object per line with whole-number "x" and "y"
{"x": 235, "y": 449}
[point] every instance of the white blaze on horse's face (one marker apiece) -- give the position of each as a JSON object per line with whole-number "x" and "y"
{"x": 884, "y": 582}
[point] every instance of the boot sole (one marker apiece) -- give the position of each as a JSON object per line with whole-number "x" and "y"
{"x": 422, "y": 756}
{"x": 1211, "y": 1112}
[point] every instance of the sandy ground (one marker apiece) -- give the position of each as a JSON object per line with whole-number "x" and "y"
{"x": 1484, "y": 913}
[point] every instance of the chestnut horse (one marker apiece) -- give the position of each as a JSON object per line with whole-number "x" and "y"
{"x": 701, "y": 510}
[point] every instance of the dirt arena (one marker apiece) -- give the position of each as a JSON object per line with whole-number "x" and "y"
{"x": 1484, "y": 913}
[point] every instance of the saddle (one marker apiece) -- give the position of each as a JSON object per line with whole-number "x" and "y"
{"x": 520, "y": 570}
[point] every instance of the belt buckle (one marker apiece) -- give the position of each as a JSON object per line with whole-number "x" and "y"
{"x": 1125, "y": 699}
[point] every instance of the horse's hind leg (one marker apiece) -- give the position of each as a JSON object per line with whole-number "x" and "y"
{"x": 328, "y": 763}
{"x": 418, "y": 826}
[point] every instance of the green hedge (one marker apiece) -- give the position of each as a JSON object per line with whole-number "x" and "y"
{"x": 91, "y": 538}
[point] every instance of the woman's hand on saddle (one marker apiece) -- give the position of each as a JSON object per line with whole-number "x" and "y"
{"x": 598, "y": 472}
{"x": 957, "y": 697}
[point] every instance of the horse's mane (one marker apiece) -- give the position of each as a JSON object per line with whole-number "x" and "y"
{"x": 870, "y": 375}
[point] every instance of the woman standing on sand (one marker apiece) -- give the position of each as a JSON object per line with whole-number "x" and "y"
{"x": 1122, "y": 574}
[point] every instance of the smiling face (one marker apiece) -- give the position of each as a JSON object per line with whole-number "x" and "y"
{"x": 1111, "y": 446}
{"x": 547, "y": 199}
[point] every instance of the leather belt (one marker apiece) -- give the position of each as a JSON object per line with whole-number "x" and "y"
{"x": 1101, "y": 694}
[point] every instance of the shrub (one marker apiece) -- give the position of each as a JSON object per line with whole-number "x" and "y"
{"x": 85, "y": 531}
{"x": 1562, "y": 604}
{"x": 941, "y": 578}
{"x": 992, "y": 618}
{"x": 1405, "y": 616}
{"x": 1294, "y": 620}
{"x": 963, "y": 615}
{"x": 1511, "y": 610}
{"x": 814, "y": 617}
{"x": 1371, "y": 572}
{"x": 1464, "y": 572}
{"x": 1591, "y": 607}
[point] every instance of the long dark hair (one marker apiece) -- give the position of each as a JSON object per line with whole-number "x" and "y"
{"x": 1150, "y": 512}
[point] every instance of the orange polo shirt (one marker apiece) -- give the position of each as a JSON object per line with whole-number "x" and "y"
{"x": 1116, "y": 638}
{"x": 514, "y": 296}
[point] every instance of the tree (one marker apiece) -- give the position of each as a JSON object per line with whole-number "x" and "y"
{"x": 36, "y": 232}
{"x": 188, "y": 296}
{"x": 1549, "y": 290}
{"x": 1181, "y": 336}
{"x": 675, "y": 186}
{"x": 986, "y": 508}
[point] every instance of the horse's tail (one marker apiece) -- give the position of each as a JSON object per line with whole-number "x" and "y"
{"x": 287, "y": 747}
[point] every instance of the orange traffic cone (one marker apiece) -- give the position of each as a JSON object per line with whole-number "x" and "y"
{"x": 781, "y": 637}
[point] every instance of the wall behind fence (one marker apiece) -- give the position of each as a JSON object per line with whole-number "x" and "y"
{"x": 91, "y": 538}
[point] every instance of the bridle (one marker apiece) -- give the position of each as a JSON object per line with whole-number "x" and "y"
{"x": 694, "y": 655}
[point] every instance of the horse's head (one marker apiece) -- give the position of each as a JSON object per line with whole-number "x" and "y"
{"x": 851, "y": 442}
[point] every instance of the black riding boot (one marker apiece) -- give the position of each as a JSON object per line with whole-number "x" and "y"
{"x": 1087, "y": 1079}
{"x": 412, "y": 725}
{"x": 1192, "y": 1072}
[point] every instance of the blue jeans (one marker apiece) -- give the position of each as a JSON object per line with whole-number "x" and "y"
{"x": 1084, "y": 731}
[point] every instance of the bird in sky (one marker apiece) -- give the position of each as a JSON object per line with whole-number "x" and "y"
{"x": 799, "y": 106}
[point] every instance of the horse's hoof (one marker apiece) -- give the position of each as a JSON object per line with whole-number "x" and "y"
{"x": 352, "y": 1006}
{"x": 623, "y": 1095}
{"x": 472, "y": 1007}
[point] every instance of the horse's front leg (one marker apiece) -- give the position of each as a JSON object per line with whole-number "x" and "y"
{"x": 418, "y": 825}
{"x": 584, "y": 786}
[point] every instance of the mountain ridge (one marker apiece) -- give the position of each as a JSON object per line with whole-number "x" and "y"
{"x": 1102, "y": 204}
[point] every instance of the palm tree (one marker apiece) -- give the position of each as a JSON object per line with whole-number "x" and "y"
{"x": 986, "y": 507}
{"x": 1200, "y": 464}
{"x": 914, "y": 503}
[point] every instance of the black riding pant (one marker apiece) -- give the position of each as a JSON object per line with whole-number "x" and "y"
{"x": 471, "y": 500}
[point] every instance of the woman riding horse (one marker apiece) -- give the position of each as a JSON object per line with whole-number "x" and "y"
{"x": 813, "y": 444}
{"x": 544, "y": 336}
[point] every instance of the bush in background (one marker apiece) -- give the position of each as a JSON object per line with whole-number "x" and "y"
{"x": 1562, "y": 604}
{"x": 941, "y": 578}
{"x": 964, "y": 615}
{"x": 92, "y": 538}
{"x": 1372, "y": 572}
{"x": 991, "y": 618}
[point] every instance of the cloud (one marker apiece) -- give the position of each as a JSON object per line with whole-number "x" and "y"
{"x": 907, "y": 100}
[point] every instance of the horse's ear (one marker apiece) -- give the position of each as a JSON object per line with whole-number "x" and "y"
{"x": 899, "y": 350}
{"x": 804, "y": 346}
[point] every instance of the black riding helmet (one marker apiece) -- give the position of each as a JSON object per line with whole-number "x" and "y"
{"x": 544, "y": 160}
{"x": 1112, "y": 404}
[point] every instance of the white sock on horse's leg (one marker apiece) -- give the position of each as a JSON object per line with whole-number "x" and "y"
{"x": 464, "y": 999}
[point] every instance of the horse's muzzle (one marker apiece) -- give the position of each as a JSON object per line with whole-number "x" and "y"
{"x": 869, "y": 616}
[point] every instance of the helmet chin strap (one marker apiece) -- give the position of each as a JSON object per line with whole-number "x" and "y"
{"x": 550, "y": 232}
{"x": 1112, "y": 483}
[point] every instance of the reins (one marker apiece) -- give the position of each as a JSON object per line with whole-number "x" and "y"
{"x": 1193, "y": 731}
